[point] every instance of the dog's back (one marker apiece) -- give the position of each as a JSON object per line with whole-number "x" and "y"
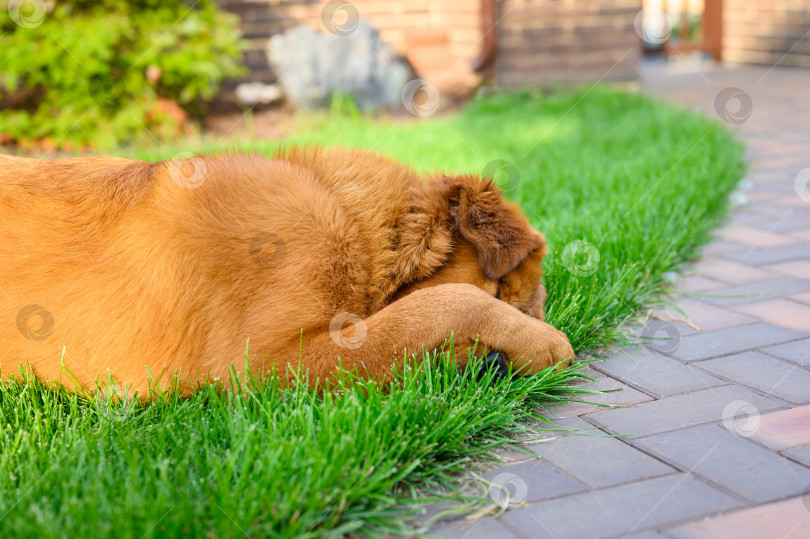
{"x": 61, "y": 222}
{"x": 116, "y": 258}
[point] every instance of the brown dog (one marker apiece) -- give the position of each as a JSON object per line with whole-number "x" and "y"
{"x": 111, "y": 266}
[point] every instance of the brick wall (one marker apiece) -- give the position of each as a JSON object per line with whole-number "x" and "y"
{"x": 547, "y": 42}
{"x": 540, "y": 42}
{"x": 439, "y": 37}
{"x": 765, "y": 31}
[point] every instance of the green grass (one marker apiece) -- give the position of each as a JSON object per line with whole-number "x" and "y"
{"x": 640, "y": 181}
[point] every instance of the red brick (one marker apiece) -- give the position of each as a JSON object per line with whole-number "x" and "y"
{"x": 755, "y": 237}
{"x": 729, "y": 272}
{"x": 788, "y": 519}
{"x": 781, "y": 312}
{"x": 794, "y": 268}
{"x": 801, "y": 235}
{"x": 425, "y": 38}
{"x": 785, "y": 429}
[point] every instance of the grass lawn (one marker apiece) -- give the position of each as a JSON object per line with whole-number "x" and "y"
{"x": 641, "y": 182}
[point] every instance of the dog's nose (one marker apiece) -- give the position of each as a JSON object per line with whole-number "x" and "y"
{"x": 497, "y": 362}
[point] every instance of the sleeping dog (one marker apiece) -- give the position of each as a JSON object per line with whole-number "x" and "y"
{"x": 142, "y": 272}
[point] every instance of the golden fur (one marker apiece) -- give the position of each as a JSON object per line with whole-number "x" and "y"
{"x": 312, "y": 255}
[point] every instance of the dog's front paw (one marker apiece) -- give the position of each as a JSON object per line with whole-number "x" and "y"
{"x": 561, "y": 351}
{"x": 542, "y": 347}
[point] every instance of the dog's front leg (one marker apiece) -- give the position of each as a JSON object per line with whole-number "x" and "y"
{"x": 425, "y": 319}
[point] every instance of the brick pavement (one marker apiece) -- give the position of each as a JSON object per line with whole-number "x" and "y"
{"x": 716, "y": 438}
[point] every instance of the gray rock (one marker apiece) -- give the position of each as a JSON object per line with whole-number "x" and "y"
{"x": 312, "y": 66}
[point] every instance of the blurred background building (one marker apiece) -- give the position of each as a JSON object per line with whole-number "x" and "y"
{"x": 77, "y": 75}
{"x": 457, "y": 43}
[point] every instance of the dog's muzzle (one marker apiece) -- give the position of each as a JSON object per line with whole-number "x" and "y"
{"x": 495, "y": 361}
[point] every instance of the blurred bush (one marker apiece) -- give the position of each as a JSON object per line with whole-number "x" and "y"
{"x": 79, "y": 75}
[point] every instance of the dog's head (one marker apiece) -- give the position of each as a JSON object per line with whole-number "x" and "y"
{"x": 464, "y": 231}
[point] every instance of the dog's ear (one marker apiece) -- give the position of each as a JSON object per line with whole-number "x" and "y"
{"x": 497, "y": 229}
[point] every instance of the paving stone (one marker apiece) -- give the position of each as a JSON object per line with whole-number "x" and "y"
{"x": 720, "y": 247}
{"x": 784, "y": 177}
{"x": 748, "y": 293}
{"x": 788, "y": 519}
{"x": 760, "y": 257}
{"x": 620, "y": 510}
{"x": 663, "y": 327}
{"x": 661, "y": 335}
{"x": 768, "y": 210}
{"x": 765, "y": 177}
{"x": 648, "y": 534}
{"x": 678, "y": 411}
{"x": 754, "y": 237}
{"x": 731, "y": 273}
{"x": 790, "y": 200}
{"x": 775, "y": 377}
{"x": 781, "y": 312}
{"x": 698, "y": 283}
{"x": 755, "y": 219}
{"x": 730, "y": 461}
{"x": 529, "y": 481}
{"x": 619, "y": 395}
{"x": 794, "y": 268}
{"x": 784, "y": 429}
{"x": 432, "y": 512}
{"x": 802, "y": 233}
{"x": 485, "y": 528}
{"x": 512, "y": 456}
{"x": 799, "y": 454}
{"x": 534, "y": 440}
{"x": 793, "y": 225}
{"x": 796, "y": 351}
{"x": 657, "y": 374}
{"x": 583, "y": 454}
{"x": 732, "y": 340}
{"x": 708, "y": 317}
{"x": 801, "y": 298}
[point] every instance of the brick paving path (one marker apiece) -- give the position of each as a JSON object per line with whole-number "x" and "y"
{"x": 720, "y": 415}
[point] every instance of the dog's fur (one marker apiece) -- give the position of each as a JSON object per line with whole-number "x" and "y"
{"x": 312, "y": 255}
